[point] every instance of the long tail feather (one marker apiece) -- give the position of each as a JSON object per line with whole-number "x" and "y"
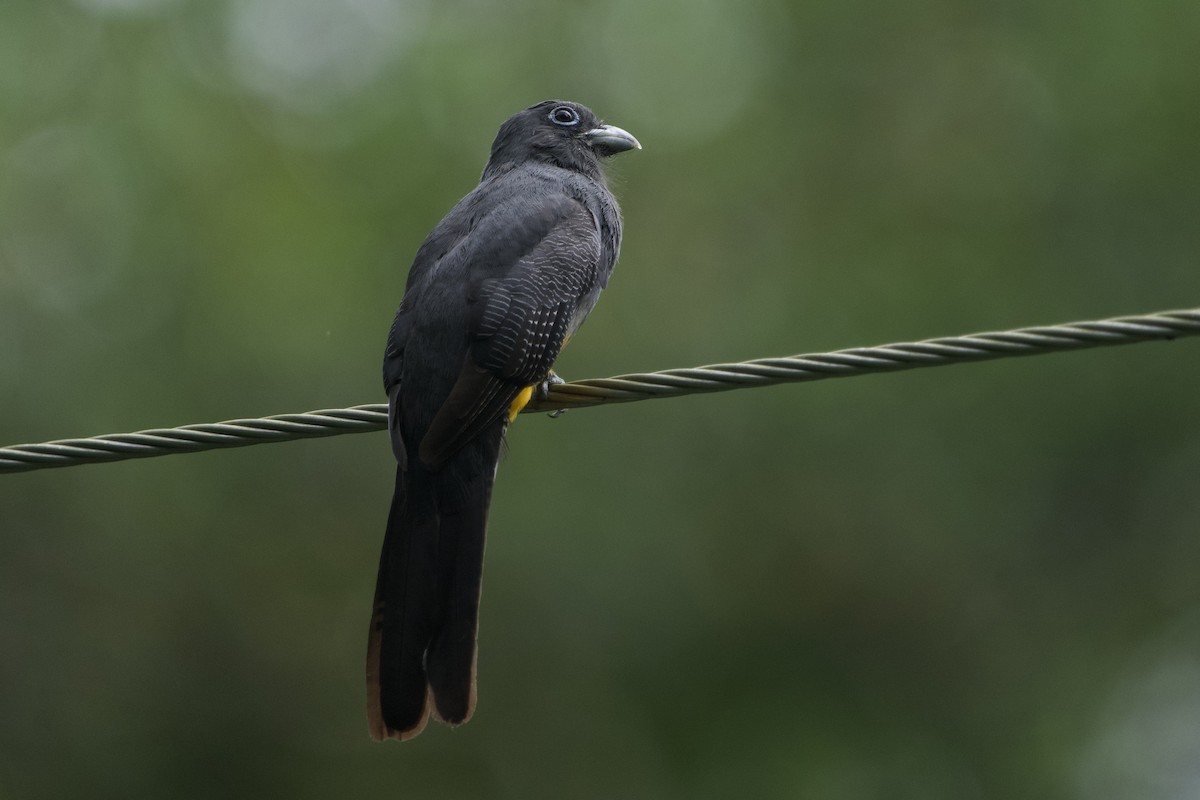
{"x": 403, "y": 618}
{"x": 424, "y": 629}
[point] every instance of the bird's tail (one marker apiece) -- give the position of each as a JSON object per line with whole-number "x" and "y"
{"x": 421, "y": 650}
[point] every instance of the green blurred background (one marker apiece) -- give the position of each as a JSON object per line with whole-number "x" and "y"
{"x": 977, "y": 582}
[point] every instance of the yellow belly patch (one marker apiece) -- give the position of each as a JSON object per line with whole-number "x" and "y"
{"x": 519, "y": 402}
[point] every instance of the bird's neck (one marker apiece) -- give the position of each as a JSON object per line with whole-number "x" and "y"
{"x": 588, "y": 167}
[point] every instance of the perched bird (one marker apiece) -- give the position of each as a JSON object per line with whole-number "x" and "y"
{"x": 494, "y": 293}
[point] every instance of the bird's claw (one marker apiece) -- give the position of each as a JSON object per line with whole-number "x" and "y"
{"x": 542, "y": 394}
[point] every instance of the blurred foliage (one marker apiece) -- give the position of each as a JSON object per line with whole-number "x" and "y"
{"x": 961, "y": 583}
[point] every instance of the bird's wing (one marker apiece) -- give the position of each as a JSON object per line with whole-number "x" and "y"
{"x": 521, "y": 313}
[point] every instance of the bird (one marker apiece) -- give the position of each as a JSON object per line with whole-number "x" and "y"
{"x": 493, "y": 294}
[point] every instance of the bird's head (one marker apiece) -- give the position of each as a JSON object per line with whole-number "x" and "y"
{"x": 557, "y": 132}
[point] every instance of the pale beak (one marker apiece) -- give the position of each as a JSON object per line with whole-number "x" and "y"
{"x": 609, "y": 140}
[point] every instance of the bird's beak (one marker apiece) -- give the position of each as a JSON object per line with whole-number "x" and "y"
{"x": 609, "y": 140}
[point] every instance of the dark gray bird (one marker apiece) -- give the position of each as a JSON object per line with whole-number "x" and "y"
{"x": 494, "y": 293}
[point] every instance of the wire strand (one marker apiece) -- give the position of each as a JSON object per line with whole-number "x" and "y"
{"x": 1165, "y": 325}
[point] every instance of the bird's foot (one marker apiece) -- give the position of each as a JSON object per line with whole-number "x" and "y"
{"x": 542, "y": 393}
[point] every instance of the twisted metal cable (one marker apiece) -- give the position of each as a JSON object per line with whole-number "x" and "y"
{"x": 193, "y": 438}
{"x": 1165, "y": 325}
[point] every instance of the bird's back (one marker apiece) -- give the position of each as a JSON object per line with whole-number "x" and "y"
{"x": 484, "y": 238}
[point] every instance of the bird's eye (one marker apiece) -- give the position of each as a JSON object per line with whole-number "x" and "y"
{"x": 564, "y": 115}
